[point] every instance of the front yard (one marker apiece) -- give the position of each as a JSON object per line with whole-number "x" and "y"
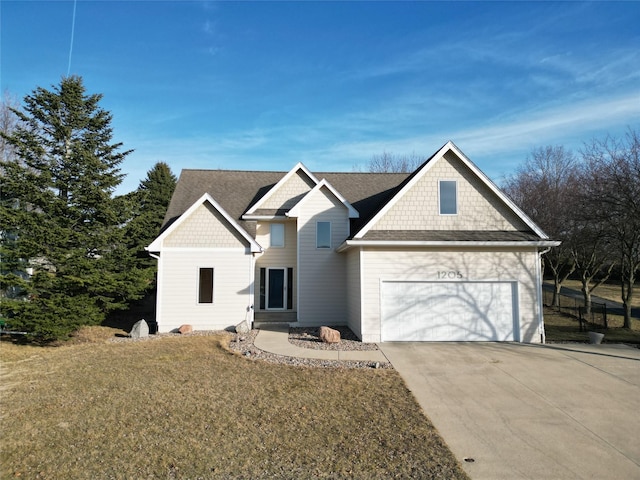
{"x": 186, "y": 407}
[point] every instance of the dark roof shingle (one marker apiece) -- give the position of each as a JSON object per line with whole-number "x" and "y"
{"x": 237, "y": 190}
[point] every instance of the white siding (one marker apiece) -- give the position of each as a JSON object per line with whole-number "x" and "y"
{"x": 353, "y": 290}
{"x": 321, "y": 271}
{"x": 474, "y": 265}
{"x": 276, "y": 256}
{"x": 178, "y": 302}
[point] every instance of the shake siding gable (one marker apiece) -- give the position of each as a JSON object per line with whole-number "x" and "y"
{"x": 205, "y": 228}
{"x": 478, "y": 207}
{"x": 290, "y": 192}
{"x": 322, "y": 271}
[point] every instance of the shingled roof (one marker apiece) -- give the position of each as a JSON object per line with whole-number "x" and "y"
{"x": 237, "y": 190}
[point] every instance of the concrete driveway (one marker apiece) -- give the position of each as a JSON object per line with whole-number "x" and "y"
{"x": 529, "y": 411}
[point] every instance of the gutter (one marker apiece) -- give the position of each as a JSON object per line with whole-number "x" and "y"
{"x": 432, "y": 243}
{"x": 543, "y": 338}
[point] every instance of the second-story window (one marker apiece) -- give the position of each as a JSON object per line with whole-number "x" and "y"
{"x": 448, "y": 197}
{"x": 323, "y": 235}
{"x": 277, "y": 235}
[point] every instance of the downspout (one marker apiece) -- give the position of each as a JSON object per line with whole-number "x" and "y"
{"x": 158, "y": 289}
{"x": 540, "y": 302}
{"x": 252, "y": 284}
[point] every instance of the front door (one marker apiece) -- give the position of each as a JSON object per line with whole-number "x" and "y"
{"x": 276, "y": 288}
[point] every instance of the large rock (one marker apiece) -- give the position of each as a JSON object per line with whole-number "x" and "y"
{"x": 185, "y": 329}
{"x": 329, "y": 335}
{"x": 243, "y": 328}
{"x": 140, "y": 330}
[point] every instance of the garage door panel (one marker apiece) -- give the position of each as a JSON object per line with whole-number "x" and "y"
{"x": 456, "y": 311}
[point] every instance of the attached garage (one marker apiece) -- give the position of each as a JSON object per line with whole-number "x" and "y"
{"x": 457, "y": 311}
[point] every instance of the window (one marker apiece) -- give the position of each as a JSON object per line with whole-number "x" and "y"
{"x": 448, "y": 197}
{"x": 323, "y": 235}
{"x": 205, "y": 286}
{"x": 277, "y": 235}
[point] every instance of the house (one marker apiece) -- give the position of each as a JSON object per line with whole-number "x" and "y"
{"x": 440, "y": 254}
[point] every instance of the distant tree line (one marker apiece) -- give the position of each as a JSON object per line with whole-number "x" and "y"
{"x": 71, "y": 252}
{"x": 591, "y": 202}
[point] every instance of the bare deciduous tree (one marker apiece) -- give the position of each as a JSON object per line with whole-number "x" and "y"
{"x": 389, "y": 163}
{"x": 544, "y": 188}
{"x": 8, "y": 123}
{"x": 592, "y": 256}
{"x": 612, "y": 194}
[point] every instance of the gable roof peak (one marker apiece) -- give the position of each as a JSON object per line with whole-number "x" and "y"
{"x": 353, "y": 213}
{"x": 156, "y": 245}
{"x": 426, "y": 166}
{"x": 298, "y": 167}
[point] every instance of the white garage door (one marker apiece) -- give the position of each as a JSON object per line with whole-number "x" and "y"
{"x": 449, "y": 311}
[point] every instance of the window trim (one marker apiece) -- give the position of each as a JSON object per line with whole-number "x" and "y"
{"x": 200, "y": 290}
{"x": 323, "y": 247}
{"x": 455, "y": 183}
{"x": 271, "y": 244}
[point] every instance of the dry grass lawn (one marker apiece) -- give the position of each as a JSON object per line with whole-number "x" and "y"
{"x": 188, "y": 408}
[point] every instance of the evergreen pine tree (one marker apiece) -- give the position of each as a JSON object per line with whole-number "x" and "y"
{"x": 58, "y": 207}
{"x": 150, "y": 202}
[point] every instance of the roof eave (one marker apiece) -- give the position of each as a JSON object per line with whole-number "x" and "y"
{"x": 265, "y": 217}
{"x": 439, "y": 243}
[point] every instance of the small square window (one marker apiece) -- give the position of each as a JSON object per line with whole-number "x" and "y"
{"x": 323, "y": 235}
{"x": 448, "y": 197}
{"x": 277, "y": 235}
{"x": 205, "y": 286}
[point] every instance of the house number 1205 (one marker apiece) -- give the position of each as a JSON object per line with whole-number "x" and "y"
{"x": 449, "y": 274}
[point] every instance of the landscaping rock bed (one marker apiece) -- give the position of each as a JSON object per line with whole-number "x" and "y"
{"x": 309, "y": 338}
{"x": 243, "y": 344}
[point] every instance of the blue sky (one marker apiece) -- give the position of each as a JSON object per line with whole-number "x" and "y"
{"x": 264, "y": 85}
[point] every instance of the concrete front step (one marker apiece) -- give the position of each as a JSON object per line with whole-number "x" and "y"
{"x": 274, "y": 317}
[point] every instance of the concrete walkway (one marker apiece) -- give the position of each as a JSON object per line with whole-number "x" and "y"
{"x": 275, "y": 339}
